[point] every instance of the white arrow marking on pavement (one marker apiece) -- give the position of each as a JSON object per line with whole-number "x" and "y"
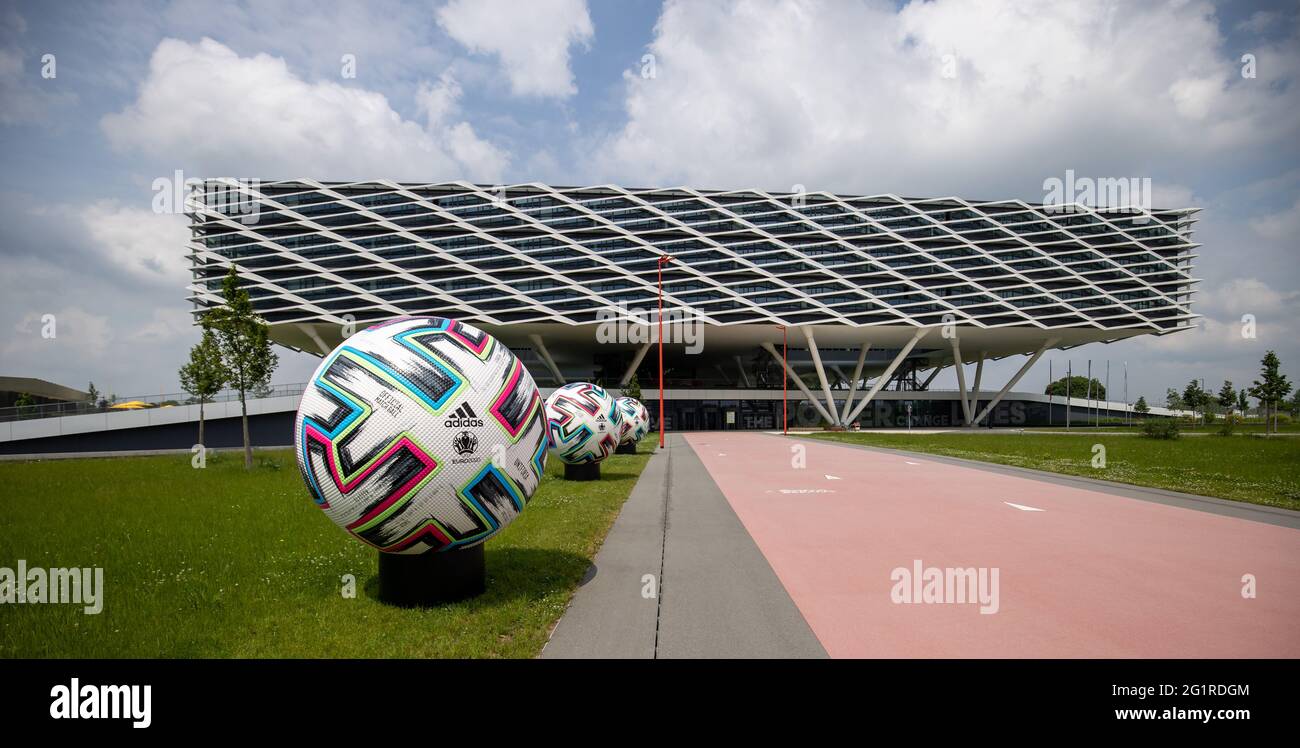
{"x": 1024, "y": 508}
{"x": 832, "y": 477}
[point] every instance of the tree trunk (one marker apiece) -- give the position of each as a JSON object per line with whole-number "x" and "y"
{"x": 248, "y": 447}
{"x": 201, "y": 444}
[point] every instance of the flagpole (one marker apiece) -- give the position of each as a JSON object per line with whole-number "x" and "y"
{"x": 1049, "y": 392}
{"x": 1069, "y": 386}
{"x": 1087, "y": 398}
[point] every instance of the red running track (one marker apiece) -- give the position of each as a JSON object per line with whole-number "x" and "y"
{"x": 1091, "y": 575}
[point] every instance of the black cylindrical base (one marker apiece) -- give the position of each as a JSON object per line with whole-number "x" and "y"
{"x": 626, "y": 449}
{"x": 582, "y": 471}
{"x": 425, "y": 579}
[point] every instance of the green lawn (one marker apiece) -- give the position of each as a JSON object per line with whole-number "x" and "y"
{"x": 1183, "y": 426}
{"x": 221, "y": 562}
{"x": 1243, "y": 468}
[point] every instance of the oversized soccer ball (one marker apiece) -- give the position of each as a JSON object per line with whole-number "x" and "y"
{"x": 584, "y": 423}
{"x": 421, "y": 433}
{"x": 636, "y": 421}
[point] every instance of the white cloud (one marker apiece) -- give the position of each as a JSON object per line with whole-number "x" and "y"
{"x": 1259, "y": 22}
{"x": 87, "y": 334}
{"x": 1245, "y": 296}
{"x": 204, "y": 106}
{"x": 858, "y": 96}
{"x": 164, "y": 325}
{"x": 26, "y": 97}
{"x": 1283, "y": 225}
{"x": 148, "y": 246}
{"x": 437, "y": 102}
{"x": 1224, "y": 342}
{"x": 532, "y": 39}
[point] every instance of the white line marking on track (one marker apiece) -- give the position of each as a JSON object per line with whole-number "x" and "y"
{"x": 1024, "y": 508}
{"x": 831, "y": 477}
{"x": 909, "y": 462}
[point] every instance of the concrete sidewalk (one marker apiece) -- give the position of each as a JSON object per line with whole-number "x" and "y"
{"x": 679, "y": 576}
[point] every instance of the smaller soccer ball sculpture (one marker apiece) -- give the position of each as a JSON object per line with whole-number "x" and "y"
{"x": 584, "y": 422}
{"x": 636, "y": 421}
{"x": 421, "y": 434}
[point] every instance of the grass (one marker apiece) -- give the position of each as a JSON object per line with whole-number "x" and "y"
{"x": 1185, "y": 427}
{"x": 221, "y": 562}
{"x": 1241, "y": 468}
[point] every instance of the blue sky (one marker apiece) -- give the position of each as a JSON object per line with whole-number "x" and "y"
{"x": 983, "y": 99}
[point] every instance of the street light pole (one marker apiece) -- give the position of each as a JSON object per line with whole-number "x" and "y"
{"x": 663, "y": 260}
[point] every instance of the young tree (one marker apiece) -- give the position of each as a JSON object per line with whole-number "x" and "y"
{"x": 1271, "y": 388}
{"x": 1227, "y": 397}
{"x": 245, "y": 347}
{"x": 1243, "y": 401}
{"x": 1173, "y": 400}
{"x": 1195, "y": 397}
{"x": 1076, "y": 387}
{"x": 1141, "y": 407}
{"x": 204, "y": 375}
{"x": 92, "y": 395}
{"x": 633, "y": 389}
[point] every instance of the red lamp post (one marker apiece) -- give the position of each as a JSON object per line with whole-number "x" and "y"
{"x": 663, "y": 260}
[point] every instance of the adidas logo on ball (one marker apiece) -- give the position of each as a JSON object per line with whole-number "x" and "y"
{"x": 464, "y": 417}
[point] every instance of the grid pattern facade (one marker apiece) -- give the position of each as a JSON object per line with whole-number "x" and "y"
{"x": 317, "y": 251}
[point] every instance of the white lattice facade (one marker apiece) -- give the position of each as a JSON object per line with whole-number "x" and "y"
{"x": 536, "y": 265}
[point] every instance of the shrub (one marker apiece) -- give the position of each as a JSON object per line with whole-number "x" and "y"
{"x": 1160, "y": 428}
{"x": 1229, "y": 425}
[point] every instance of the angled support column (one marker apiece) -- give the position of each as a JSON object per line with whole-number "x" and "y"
{"x": 546, "y": 356}
{"x": 961, "y": 380}
{"x": 840, "y": 373}
{"x": 315, "y": 338}
{"x": 636, "y": 361}
{"x": 884, "y": 377}
{"x": 744, "y": 375}
{"x": 853, "y": 385}
{"x": 821, "y": 372}
{"x": 975, "y": 389}
{"x": 930, "y": 378}
{"x": 1012, "y": 383}
{"x": 798, "y": 382}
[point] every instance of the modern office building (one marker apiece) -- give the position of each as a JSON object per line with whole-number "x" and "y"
{"x": 871, "y": 296}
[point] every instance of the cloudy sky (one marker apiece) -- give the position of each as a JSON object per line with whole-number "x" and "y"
{"x": 979, "y": 98}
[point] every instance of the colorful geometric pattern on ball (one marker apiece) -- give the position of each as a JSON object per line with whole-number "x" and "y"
{"x": 636, "y": 421}
{"x": 584, "y": 423}
{"x": 397, "y": 430}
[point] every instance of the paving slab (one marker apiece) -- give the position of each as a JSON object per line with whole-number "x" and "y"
{"x": 716, "y": 596}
